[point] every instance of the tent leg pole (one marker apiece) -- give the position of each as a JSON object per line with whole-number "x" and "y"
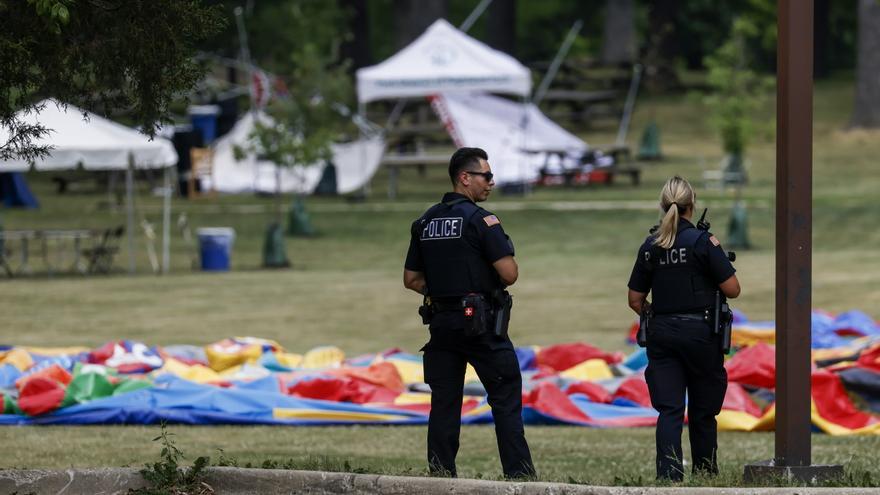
{"x": 166, "y": 222}
{"x": 362, "y": 111}
{"x": 129, "y": 207}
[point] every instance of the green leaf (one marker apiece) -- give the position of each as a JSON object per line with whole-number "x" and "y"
{"x": 63, "y": 14}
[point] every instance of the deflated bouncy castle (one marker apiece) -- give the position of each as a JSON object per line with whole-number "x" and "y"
{"x": 247, "y": 380}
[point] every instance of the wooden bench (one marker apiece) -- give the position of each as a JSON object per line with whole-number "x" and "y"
{"x": 633, "y": 171}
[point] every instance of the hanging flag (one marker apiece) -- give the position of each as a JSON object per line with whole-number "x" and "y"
{"x": 261, "y": 88}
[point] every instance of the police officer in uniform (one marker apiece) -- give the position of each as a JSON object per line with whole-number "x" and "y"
{"x": 683, "y": 267}
{"x": 460, "y": 259}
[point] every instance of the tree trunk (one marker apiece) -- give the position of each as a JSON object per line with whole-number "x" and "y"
{"x": 501, "y": 26}
{"x": 822, "y": 39}
{"x": 412, "y": 17}
{"x": 660, "y": 74}
{"x": 867, "y": 104}
{"x": 357, "y": 48}
{"x": 619, "y": 34}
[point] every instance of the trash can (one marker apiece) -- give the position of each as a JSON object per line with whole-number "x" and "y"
{"x": 215, "y": 247}
{"x": 204, "y": 120}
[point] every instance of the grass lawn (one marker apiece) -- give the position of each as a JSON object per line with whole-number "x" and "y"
{"x": 575, "y": 248}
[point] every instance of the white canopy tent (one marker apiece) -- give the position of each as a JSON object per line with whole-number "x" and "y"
{"x": 254, "y": 175}
{"x": 517, "y": 136}
{"x": 443, "y": 59}
{"x": 96, "y": 143}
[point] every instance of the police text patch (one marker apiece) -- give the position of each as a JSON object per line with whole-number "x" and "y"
{"x": 442, "y": 228}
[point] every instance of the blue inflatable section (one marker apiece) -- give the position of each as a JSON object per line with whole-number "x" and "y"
{"x": 15, "y": 191}
{"x": 176, "y": 400}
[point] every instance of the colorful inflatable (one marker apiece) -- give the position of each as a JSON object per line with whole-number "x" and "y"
{"x": 248, "y": 380}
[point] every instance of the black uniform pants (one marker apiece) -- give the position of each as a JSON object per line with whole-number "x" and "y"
{"x": 684, "y": 357}
{"x": 445, "y": 362}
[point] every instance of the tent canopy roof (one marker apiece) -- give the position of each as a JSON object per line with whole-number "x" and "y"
{"x": 95, "y": 142}
{"x": 443, "y": 59}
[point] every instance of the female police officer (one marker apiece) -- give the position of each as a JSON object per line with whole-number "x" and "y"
{"x": 682, "y": 267}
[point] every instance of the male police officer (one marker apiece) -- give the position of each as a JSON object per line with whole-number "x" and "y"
{"x": 460, "y": 258}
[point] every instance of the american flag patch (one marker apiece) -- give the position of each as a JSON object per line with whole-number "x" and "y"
{"x": 714, "y": 241}
{"x": 491, "y": 220}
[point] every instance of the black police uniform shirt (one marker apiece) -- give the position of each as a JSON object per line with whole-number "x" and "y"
{"x": 463, "y": 241}
{"x": 480, "y": 234}
{"x": 685, "y": 277}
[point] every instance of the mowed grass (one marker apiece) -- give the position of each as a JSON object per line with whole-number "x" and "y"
{"x": 575, "y": 248}
{"x": 562, "y": 454}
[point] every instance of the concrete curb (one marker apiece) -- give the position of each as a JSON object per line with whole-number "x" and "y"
{"x": 239, "y": 481}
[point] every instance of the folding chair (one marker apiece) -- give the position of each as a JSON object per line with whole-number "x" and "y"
{"x": 3, "y": 256}
{"x": 100, "y": 256}
{"x": 202, "y": 165}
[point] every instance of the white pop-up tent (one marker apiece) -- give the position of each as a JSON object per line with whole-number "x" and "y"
{"x": 517, "y": 136}
{"x": 446, "y": 60}
{"x": 443, "y": 59}
{"x": 96, "y": 143}
{"x": 355, "y": 163}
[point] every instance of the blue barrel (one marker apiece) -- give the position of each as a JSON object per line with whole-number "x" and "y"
{"x": 204, "y": 120}
{"x": 215, "y": 248}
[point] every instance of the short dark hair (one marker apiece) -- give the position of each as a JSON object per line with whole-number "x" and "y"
{"x": 465, "y": 159}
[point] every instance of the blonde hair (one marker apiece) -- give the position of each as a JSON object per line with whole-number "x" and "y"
{"x": 676, "y": 197}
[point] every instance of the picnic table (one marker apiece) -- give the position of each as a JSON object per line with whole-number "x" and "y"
{"x": 80, "y": 250}
{"x": 395, "y": 162}
{"x": 578, "y": 105}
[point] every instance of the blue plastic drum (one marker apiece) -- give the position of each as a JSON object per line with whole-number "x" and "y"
{"x": 215, "y": 248}
{"x": 204, "y": 120}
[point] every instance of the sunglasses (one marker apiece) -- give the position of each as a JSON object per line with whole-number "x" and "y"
{"x": 486, "y": 175}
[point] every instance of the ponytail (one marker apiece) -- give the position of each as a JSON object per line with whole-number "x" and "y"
{"x": 675, "y": 198}
{"x": 668, "y": 227}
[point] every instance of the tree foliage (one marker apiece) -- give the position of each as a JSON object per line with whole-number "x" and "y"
{"x": 738, "y": 92}
{"x": 316, "y": 110}
{"x": 105, "y": 55}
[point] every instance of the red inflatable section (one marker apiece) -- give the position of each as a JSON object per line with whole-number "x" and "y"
{"x": 755, "y": 366}
{"x": 380, "y": 374}
{"x": 54, "y": 373}
{"x": 561, "y": 357}
{"x": 833, "y": 404}
{"x": 870, "y": 359}
{"x": 548, "y": 399}
{"x": 737, "y": 399}
{"x": 594, "y": 391}
{"x": 345, "y": 389}
{"x": 40, "y": 395}
{"x": 635, "y": 389}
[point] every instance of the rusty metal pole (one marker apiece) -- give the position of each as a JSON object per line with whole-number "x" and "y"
{"x": 794, "y": 218}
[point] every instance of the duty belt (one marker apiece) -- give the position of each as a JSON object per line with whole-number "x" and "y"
{"x": 446, "y": 304}
{"x": 684, "y": 316}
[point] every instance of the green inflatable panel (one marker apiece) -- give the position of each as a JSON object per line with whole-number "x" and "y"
{"x": 86, "y": 387}
{"x": 127, "y": 386}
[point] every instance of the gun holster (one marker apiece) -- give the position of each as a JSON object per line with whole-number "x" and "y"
{"x": 725, "y": 326}
{"x": 475, "y": 309}
{"x": 426, "y": 311}
{"x": 644, "y": 320}
{"x": 503, "y": 303}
